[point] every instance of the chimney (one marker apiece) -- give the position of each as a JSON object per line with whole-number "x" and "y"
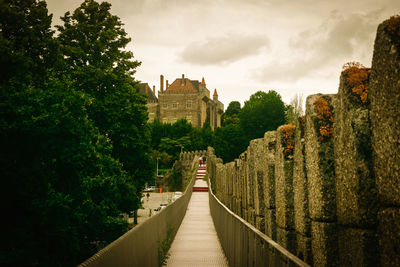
{"x": 154, "y": 90}
{"x": 166, "y": 85}
{"x": 161, "y": 83}
{"x": 183, "y": 79}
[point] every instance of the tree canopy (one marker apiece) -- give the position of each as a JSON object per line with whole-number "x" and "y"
{"x": 262, "y": 112}
{"x": 231, "y": 114}
{"x": 75, "y": 144}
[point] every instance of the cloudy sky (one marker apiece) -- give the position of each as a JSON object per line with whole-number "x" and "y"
{"x": 243, "y": 46}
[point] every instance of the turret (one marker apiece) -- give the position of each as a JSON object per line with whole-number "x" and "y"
{"x": 215, "y": 95}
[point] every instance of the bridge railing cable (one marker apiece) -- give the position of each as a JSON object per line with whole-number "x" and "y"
{"x": 141, "y": 245}
{"x": 245, "y": 245}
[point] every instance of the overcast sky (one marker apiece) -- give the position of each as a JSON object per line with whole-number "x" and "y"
{"x": 243, "y": 46}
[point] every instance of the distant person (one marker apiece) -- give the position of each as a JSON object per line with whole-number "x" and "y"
{"x": 204, "y": 160}
{"x": 147, "y": 195}
{"x": 201, "y": 161}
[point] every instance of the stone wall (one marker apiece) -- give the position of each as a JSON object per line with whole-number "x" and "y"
{"x": 177, "y": 106}
{"x": 335, "y": 200}
{"x": 385, "y": 124}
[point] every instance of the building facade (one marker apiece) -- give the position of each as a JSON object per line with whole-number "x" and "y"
{"x": 184, "y": 98}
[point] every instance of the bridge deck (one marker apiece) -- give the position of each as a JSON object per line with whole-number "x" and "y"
{"x": 196, "y": 242}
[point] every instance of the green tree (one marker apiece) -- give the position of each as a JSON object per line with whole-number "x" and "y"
{"x": 60, "y": 172}
{"x": 59, "y": 180}
{"x": 207, "y": 136}
{"x": 231, "y": 114}
{"x": 27, "y": 46}
{"x": 93, "y": 44}
{"x": 262, "y": 112}
{"x": 181, "y": 128}
{"x": 229, "y": 142}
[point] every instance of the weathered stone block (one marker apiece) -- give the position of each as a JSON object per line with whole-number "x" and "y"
{"x": 230, "y": 173}
{"x": 357, "y": 247}
{"x": 384, "y": 96}
{"x": 356, "y": 194}
{"x": 259, "y": 203}
{"x": 287, "y": 239}
{"x": 257, "y": 152}
{"x": 269, "y": 187}
{"x": 284, "y": 195}
{"x": 319, "y": 165}
{"x": 270, "y": 146}
{"x": 324, "y": 244}
{"x": 303, "y": 248}
{"x": 389, "y": 236}
{"x": 251, "y": 174}
{"x": 270, "y": 225}
{"x": 260, "y": 223}
{"x": 251, "y": 218}
{"x": 302, "y": 220}
{"x": 269, "y": 169}
{"x": 283, "y": 187}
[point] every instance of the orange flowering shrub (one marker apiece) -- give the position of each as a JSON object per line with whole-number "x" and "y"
{"x": 287, "y": 132}
{"x": 357, "y": 76}
{"x": 325, "y": 118}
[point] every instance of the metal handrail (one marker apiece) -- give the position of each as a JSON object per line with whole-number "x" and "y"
{"x": 266, "y": 252}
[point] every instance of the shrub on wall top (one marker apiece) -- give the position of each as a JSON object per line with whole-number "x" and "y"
{"x": 357, "y": 77}
{"x": 287, "y": 132}
{"x": 325, "y": 118}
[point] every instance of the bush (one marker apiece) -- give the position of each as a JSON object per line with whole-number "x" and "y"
{"x": 287, "y": 132}
{"x": 325, "y": 119}
{"x": 357, "y": 77}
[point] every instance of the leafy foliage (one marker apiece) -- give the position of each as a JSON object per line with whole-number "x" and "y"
{"x": 27, "y": 47}
{"x": 231, "y": 114}
{"x": 287, "y": 133}
{"x": 357, "y": 76}
{"x": 168, "y": 140}
{"x": 72, "y": 130}
{"x": 325, "y": 119}
{"x": 229, "y": 142}
{"x": 92, "y": 43}
{"x": 262, "y": 112}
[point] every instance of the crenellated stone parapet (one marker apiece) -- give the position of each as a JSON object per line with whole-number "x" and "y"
{"x": 334, "y": 200}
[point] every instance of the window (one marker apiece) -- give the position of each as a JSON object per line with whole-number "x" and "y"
{"x": 189, "y": 103}
{"x": 174, "y": 105}
{"x": 189, "y": 119}
{"x": 165, "y": 105}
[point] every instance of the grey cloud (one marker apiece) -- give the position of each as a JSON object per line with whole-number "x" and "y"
{"x": 336, "y": 39}
{"x": 224, "y": 49}
{"x": 286, "y": 72}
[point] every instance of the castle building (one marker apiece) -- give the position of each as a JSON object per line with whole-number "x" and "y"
{"x": 184, "y": 98}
